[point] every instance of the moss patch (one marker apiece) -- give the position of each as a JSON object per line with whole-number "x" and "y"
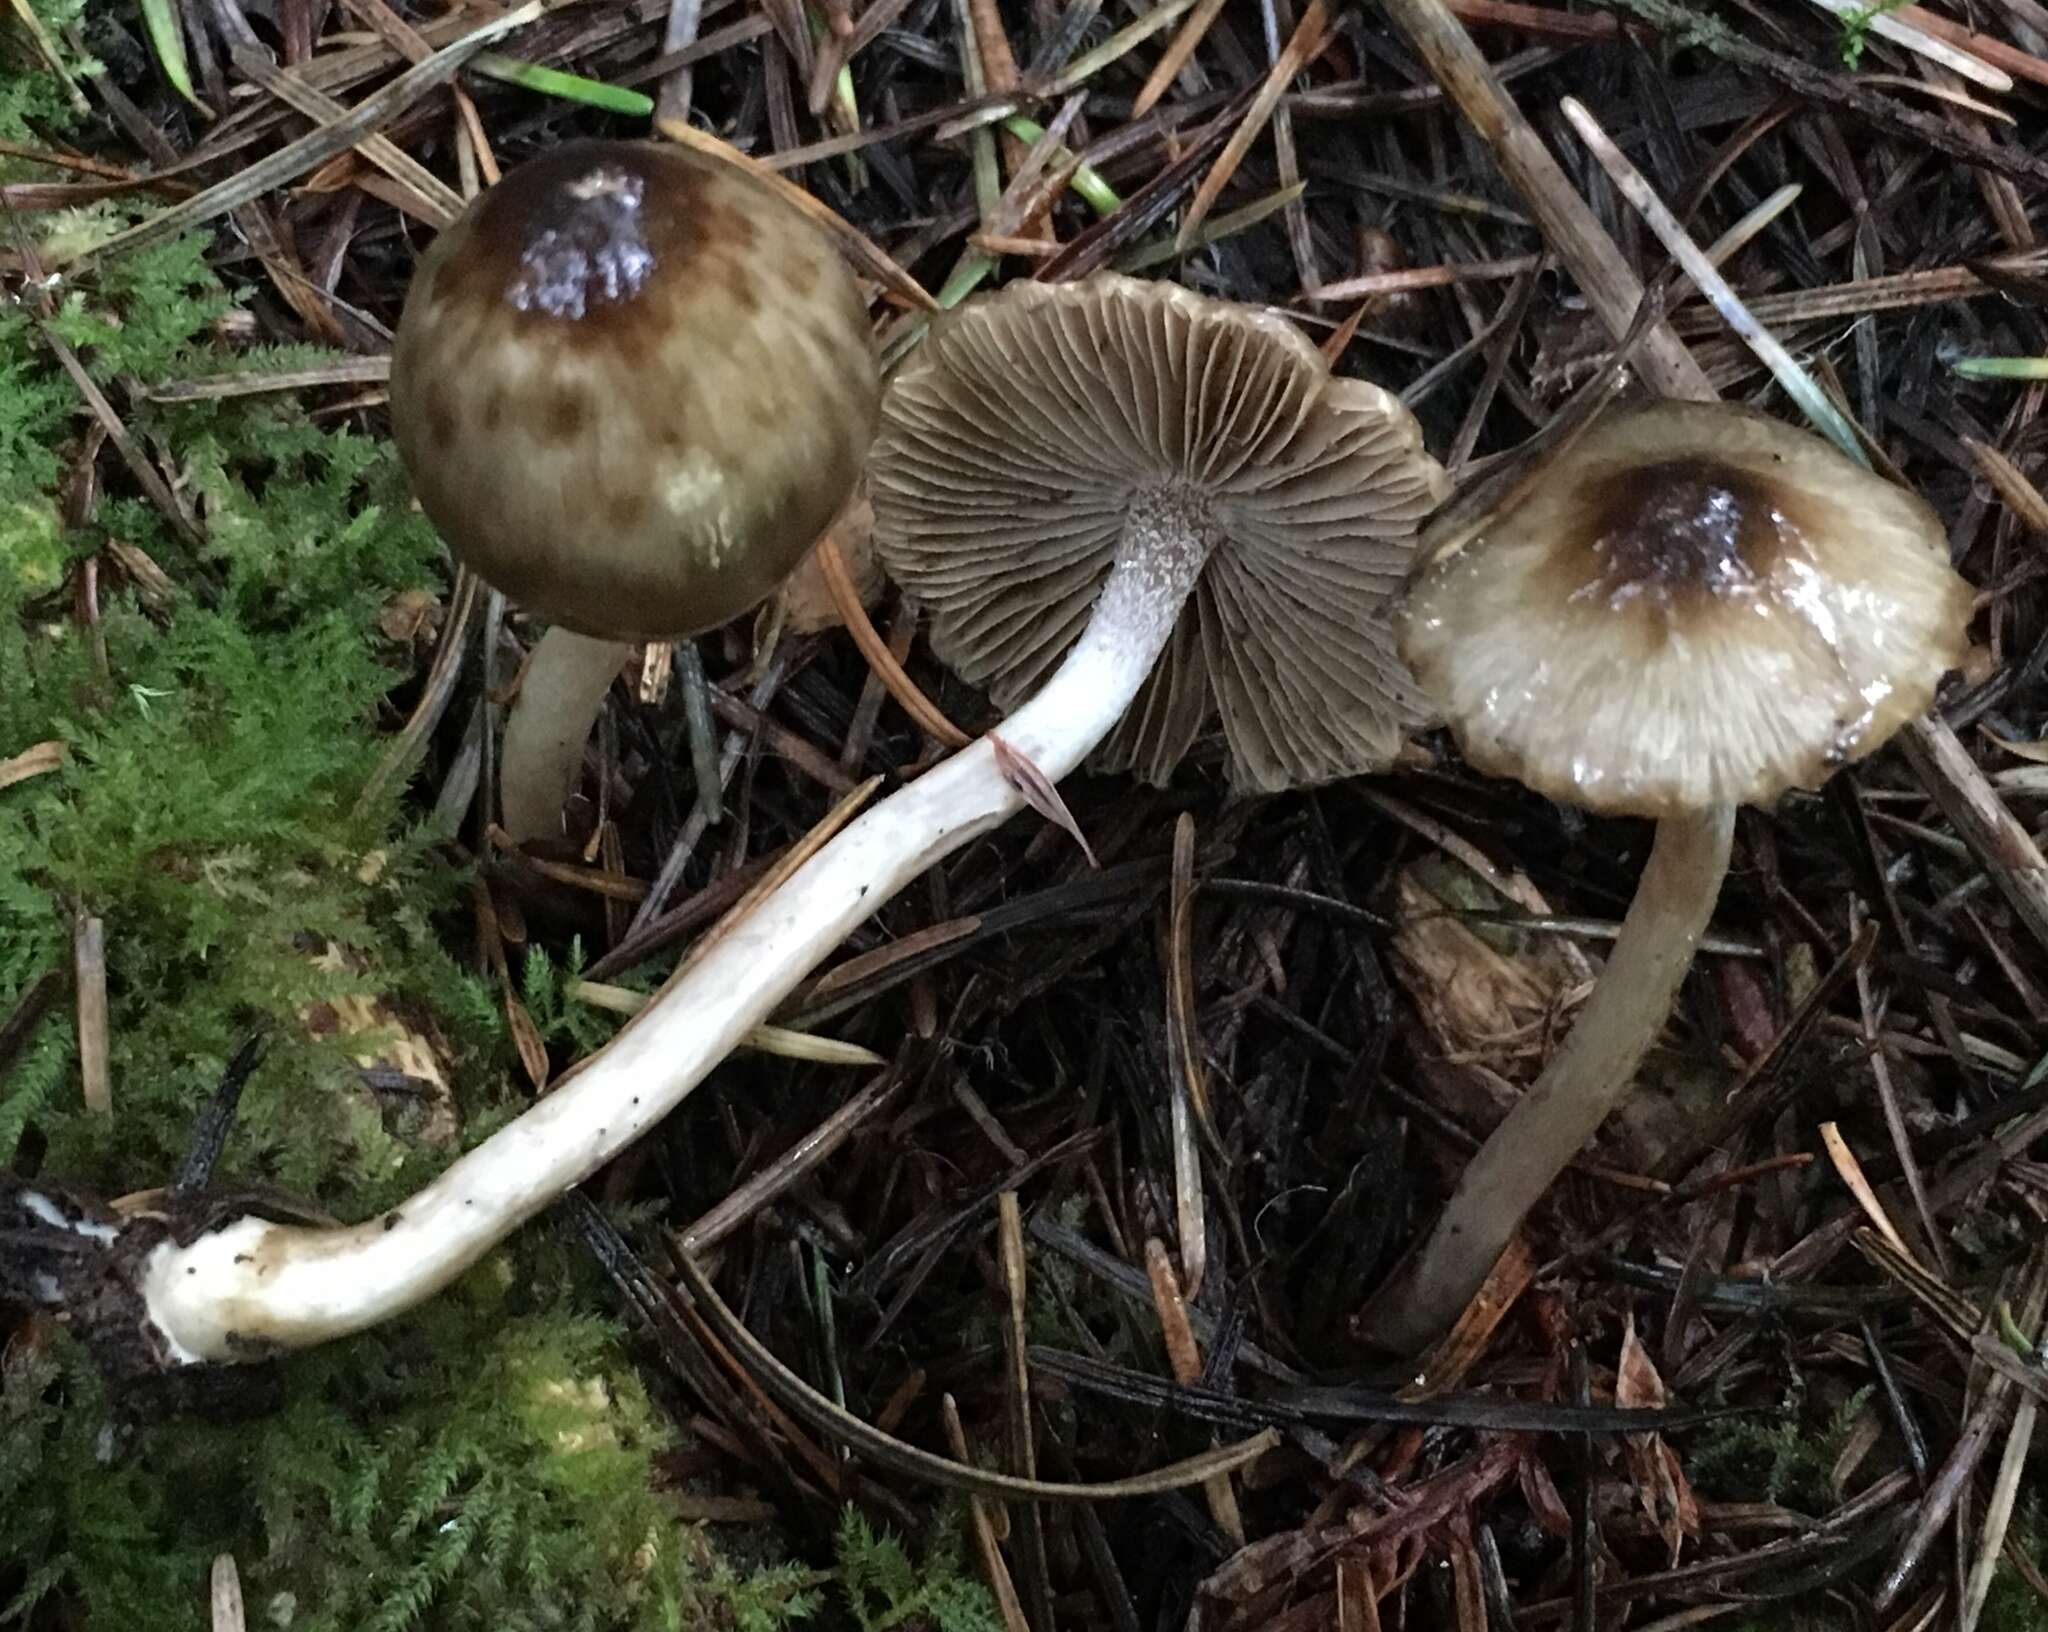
{"x": 490, "y": 1461}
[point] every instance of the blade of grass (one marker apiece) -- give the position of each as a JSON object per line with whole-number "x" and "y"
{"x": 46, "y": 47}
{"x": 1792, "y": 379}
{"x": 167, "y": 40}
{"x": 2001, "y": 368}
{"x": 592, "y": 93}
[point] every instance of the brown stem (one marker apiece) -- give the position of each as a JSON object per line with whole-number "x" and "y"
{"x": 1585, "y": 1079}
{"x": 559, "y": 698}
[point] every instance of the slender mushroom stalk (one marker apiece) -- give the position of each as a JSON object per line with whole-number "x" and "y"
{"x": 256, "y": 1285}
{"x": 631, "y": 385}
{"x": 561, "y": 694}
{"x": 1270, "y": 473}
{"x": 1692, "y": 609}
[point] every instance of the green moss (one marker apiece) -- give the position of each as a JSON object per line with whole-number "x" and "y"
{"x": 488, "y": 1462}
{"x": 888, "y": 1593}
{"x": 1776, "y": 1459}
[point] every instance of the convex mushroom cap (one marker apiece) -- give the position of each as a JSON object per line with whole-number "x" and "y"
{"x": 1693, "y": 605}
{"x": 1037, "y": 428}
{"x": 632, "y": 385}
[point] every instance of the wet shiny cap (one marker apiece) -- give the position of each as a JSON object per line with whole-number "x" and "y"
{"x": 632, "y": 385}
{"x": 1036, "y": 425}
{"x": 1692, "y": 605}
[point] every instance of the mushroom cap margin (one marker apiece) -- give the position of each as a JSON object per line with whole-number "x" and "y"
{"x": 1692, "y": 605}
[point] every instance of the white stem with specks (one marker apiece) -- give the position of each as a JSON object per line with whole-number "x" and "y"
{"x": 252, "y": 1286}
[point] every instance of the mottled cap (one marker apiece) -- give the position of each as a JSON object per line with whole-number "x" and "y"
{"x": 1693, "y": 605}
{"x": 1034, "y": 423}
{"x": 632, "y": 385}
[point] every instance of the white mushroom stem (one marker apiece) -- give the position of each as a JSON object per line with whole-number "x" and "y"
{"x": 560, "y": 696}
{"x": 1586, "y": 1078}
{"x": 252, "y": 1285}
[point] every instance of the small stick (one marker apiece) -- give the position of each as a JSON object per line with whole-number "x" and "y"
{"x": 1185, "y": 1359}
{"x": 1568, "y": 224}
{"x": 1894, "y": 1117}
{"x": 1175, "y": 57}
{"x": 1633, "y": 186}
{"x": 924, "y": 713}
{"x": 2005, "y": 848}
{"x": 1030, "y": 1530}
{"x": 787, "y": 1170}
{"x": 672, "y": 102}
{"x": 685, "y": 844}
{"x": 17, "y": 1026}
{"x": 709, "y": 805}
{"x": 1300, "y": 49}
{"x": 89, "y": 962}
{"x": 1189, "y": 1092}
{"x": 978, "y": 1507}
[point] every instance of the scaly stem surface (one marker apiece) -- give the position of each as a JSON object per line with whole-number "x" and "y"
{"x": 1586, "y": 1078}
{"x": 253, "y": 1285}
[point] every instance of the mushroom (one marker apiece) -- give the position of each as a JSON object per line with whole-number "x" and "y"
{"x": 631, "y": 385}
{"x": 1692, "y": 608}
{"x": 1141, "y": 460}
{"x": 1133, "y": 435}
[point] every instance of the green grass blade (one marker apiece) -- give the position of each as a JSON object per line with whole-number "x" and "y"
{"x": 2002, "y": 368}
{"x": 592, "y": 93}
{"x": 168, "y": 41}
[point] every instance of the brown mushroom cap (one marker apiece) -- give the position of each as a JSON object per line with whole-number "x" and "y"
{"x": 1033, "y": 423}
{"x": 1693, "y": 605}
{"x": 632, "y": 385}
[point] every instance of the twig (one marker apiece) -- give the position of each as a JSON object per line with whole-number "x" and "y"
{"x": 89, "y": 964}
{"x": 1028, "y": 1527}
{"x": 1569, "y": 226}
{"x": 924, "y": 713}
{"x": 747, "y": 1199}
{"x": 294, "y": 159}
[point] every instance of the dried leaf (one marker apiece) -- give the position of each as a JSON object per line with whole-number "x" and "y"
{"x": 2021, "y": 496}
{"x": 1541, "y": 1496}
{"x": 410, "y": 615}
{"x": 386, "y": 1034}
{"x": 1038, "y": 791}
{"x": 1637, "y": 1387}
{"x": 1852, "y": 1175}
{"x": 1661, "y": 1485}
{"x": 1486, "y": 996}
{"x": 533, "y": 1053}
{"x": 2035, "y": 753}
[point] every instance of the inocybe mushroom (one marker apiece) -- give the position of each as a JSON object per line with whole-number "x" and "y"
{"x": 1141, "y": 445}
{"x": 631, "y": 385}
{"x": 1693, "y": 608}
{"x": 1133, "y": 458}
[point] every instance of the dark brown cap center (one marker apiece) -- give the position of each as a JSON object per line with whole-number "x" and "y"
{"x": 1682, "y": 530}
{"x": 610, "y": 239}
{"x": 586, "y": 246}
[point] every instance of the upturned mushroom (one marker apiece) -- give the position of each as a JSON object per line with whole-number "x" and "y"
{"x": 1172, "y": 446}
{"x": 1172, "y": 472}
{"x": 631, "y": 385}
{"x": 1693, "y": 608}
